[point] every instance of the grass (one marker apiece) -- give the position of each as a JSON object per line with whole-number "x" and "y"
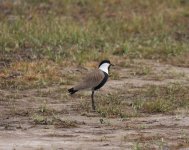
{"x": 55, "y": 121}
{"x": 141, "y": 70}
{"x": 148, "y": 100}
{"x": 114, "y": 75}
{"x": 32, "y": 74}
{"x": 54, "y": 30}
{"x": 162, "y": 99}
{"x": 110, "y": 106}
{"x": 39, "y": 37}
{"x": 48, "y": 116}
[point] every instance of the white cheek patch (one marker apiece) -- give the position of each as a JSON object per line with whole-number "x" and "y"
{"x": 104, "y": 67}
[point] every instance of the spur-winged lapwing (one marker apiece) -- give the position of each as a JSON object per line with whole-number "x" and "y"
{"x": 94, "y": 80}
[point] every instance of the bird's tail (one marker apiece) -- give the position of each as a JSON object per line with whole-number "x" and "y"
{"x": 72, "y": 91}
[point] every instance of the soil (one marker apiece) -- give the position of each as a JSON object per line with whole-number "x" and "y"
{"x": 88, "y": 130}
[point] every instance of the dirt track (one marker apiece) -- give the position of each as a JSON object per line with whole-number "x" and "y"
{"x": 149, "y": 131}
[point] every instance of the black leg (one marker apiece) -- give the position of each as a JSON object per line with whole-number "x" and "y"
{"x": 93, "y": 104}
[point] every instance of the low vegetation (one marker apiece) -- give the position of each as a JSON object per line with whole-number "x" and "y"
{"x": 150, "y": 99}
{"x": 93, "y": 30}
{"x": 39, "y": 38}
{"x": 46, "y": 46}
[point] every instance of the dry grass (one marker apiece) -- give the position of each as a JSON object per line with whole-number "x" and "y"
{"x": 53, "y": 29}
{"x": 32, "y": 74}
{"x": 37, "y": 36}
{"x": 162, "y": 99}
{"x": 55, "y": 121}
{"x": 41, "y": 38}
{"x": 137, "y": 102}
{"x": 42, "y": 42}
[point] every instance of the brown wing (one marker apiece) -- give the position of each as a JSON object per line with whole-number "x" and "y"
{"x": 91, "y": 80}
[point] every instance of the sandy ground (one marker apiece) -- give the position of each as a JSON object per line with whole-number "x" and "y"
{"x": 151, "y": 131}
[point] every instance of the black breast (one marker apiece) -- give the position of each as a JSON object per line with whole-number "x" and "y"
{"x": 103, "y": 81}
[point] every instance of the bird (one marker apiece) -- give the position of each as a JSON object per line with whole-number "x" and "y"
{"x": 93, "y": 80}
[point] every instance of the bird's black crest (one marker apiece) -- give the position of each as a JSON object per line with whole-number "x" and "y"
{"x": 72, "y": 91}
{"x": 104, "y": 61}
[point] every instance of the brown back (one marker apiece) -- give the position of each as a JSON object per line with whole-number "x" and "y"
{"x": 91, "y": 80}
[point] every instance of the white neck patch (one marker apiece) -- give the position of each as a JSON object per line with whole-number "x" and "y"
{"x": 104, "y": 67}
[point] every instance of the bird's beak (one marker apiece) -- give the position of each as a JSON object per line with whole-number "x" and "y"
{"x": 112, "y": 65}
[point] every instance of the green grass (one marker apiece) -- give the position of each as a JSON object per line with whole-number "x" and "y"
{"x": 162, "y": 99}
{"x": 137, "y": 102}
{"x": 70, "y": 32}
{"x": 82, "y": 30}
{"x": 110, "y": 105}
{"x": 24, "y": 74}
{"x": 51, "y": 120}
{"x": 39, "y": 38}
{"x": 48, "y": 116}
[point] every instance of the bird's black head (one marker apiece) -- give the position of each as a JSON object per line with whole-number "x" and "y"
{"x": 104, "y": 61}
{"x": 105, "y": 65}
